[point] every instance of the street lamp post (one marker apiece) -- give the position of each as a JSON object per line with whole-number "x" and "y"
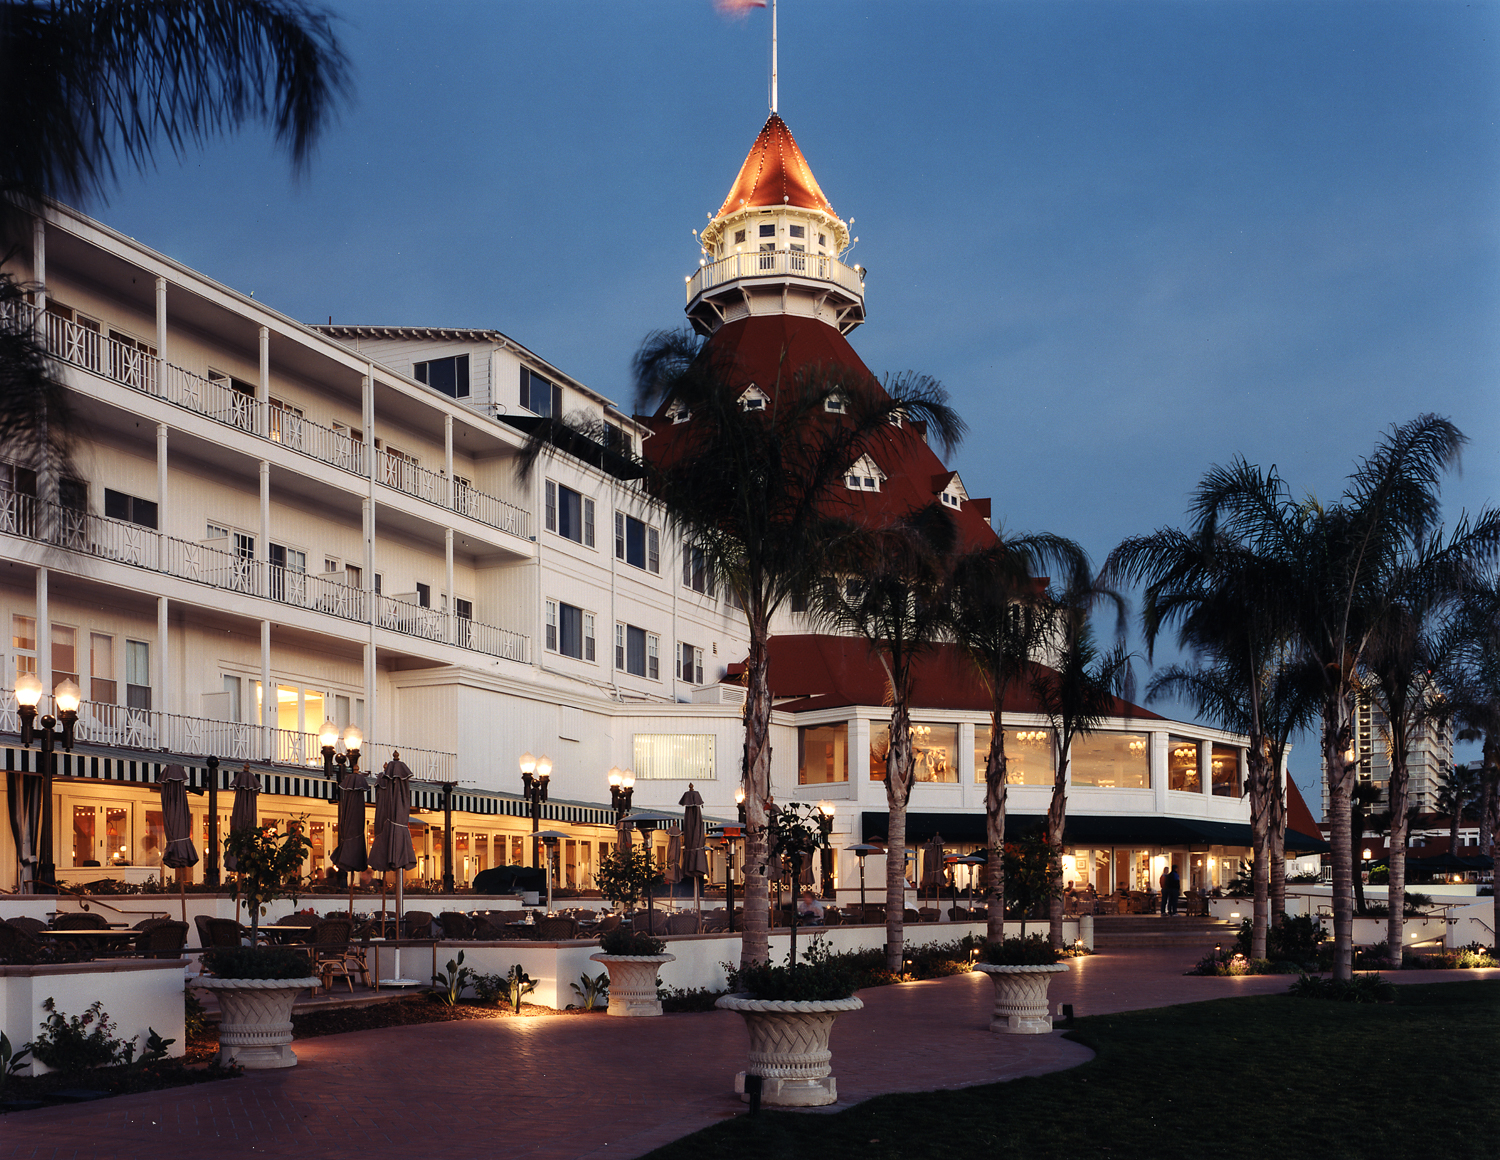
{"x": 825, "y": 826}
{"x": 448, "y": 884}
{"x": 66, "y": 697}
{"x": 211, "y": 855}
{"x": 621, "y": 790}
{"x": 536, "y": 772}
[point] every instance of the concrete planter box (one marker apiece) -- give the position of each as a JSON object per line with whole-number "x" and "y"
{"x": 789, "y": 1048}
{"x": 255, "y": 1030}
{"x": 632, "y": 982}
{"x": 1021, "y": 997}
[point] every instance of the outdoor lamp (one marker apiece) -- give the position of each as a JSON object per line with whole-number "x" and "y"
{"x": 67, "y": 697}
{"x": 353, "y": 739}
{"x": 1366, "y": 853}
{"x": 328, "y": 738}
{"x": 528, "y": 763}
{"x": 739, "y": 803}
{"x": 544, "y": 767}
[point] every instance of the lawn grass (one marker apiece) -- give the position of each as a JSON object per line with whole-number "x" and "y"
{"x": 1235, "y": 1078}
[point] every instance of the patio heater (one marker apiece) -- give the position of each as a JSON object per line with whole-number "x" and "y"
{"x": 861, "y": 851}
{"x": 550, "y": 838}
{"x": 66, "y": 697}
{"x": 729, "y": 832}
{"x": 646, "y": 823}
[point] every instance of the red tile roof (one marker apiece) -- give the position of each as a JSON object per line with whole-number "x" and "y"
{"x": 775, "y": 173}
{"x": 815, "y": 671}
{"x": 1298, "y": 816}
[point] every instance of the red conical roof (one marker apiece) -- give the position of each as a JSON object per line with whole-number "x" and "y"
{"x": 775, "y": 173}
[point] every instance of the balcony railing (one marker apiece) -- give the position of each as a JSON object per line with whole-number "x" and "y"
{"x": 126, "y": 543}
{"x": 150, "y": 730}
{"x": 126, "y": 364}
{"x": 776, "y": 263}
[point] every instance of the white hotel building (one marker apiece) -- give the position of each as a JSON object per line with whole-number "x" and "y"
{"x": 275, "y": 524}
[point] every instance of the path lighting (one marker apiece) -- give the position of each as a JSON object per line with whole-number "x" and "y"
{"x": 536, "y": 772}
{"x": 66, "y": 698}
{"x": 621, "y": 790}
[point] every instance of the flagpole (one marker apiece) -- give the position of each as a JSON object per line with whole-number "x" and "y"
{"x": 773, "y": 56}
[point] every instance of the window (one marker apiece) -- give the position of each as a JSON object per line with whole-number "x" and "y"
{"x": 617, "y": 439}
{"x": 119, "y": 506}
{"x": 822, "y": 239}
{"x": 1226, "y": 771}
{"x": 822, "y": 754}
{"x": 690, "y": 664}
{"x": 637, "y": 651}
{"x": 448, "y": 375}
{"x": 102, "y": 669}
{"x": 864, "y": 475}
{"x": 697, "y": 573}
{"x": 21, "y": 480}
{"x": 353, "y": 575}
{"x": 1112, "y": 761}
{"x": 570, "y": 514}
{"x": 836, "y": 403}
{"x": 767, "y": 230}
{"x": 73, "y": 494}
{"x": 137, "y": 674}
{"x": 674, "y": 756}
{"x": 424, "y": 595}
{"x": 379, "y": 583}
{"x": 739, "y": 236}
{"x": 678, "y": 413}
{"x": 570, "y": 631}
{"x": 538, "y": 395}
{"x": 64, "y": 654}
{"x": 798, "y": 231}
{"x": 232, "y": 690}
{"x": 637, "y": 543}
{"x": 1182, "y": 765}
{"x": 1028, "y": 755}
{"x": 23, "y": 641}
{"x": 935, "y": 748}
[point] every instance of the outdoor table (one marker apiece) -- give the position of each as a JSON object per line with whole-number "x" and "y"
{"x": 90, "y": 940}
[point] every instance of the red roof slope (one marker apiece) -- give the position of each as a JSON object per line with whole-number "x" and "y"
{"x": 775, "y": 173}
{"x": 1298, "y": 816}
{"x": 825, "y": 672}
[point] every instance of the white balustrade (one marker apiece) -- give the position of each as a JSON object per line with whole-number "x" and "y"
{"x": 773, "y": 263}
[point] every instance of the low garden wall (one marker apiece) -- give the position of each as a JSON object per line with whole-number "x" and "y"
{"x": 137, "y": 995}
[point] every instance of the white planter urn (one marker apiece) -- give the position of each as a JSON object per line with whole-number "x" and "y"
{"x": 632, "y": 982}
{"x": 255, "y": 1027}
{"x": 1021, "y": 997}
{"x": 789, "y": 1048}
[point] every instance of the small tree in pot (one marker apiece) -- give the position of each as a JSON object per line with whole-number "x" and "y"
{"x": 624, "y": 876}
{"x": 269, "y": 867}
{"x": 632, "y": 958}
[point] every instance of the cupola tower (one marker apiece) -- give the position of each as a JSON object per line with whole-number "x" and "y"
{"x": 776, "y": 246}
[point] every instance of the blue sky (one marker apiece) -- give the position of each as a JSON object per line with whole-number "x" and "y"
{"x": 1132, "y": 238}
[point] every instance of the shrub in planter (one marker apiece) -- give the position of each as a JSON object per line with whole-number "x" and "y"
{"x": 621, "y": 941}
{"x": 789, "y": 1012}
{"x": 257, "y": 963}
{"x": 1021, "y": 969}
{"x": 632, "y": 959}
{"x": 1032, "y": 951}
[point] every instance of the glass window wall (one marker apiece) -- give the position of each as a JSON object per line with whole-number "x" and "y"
{"x": 822, "y": 754}
{"x": 1112, "y": 761}
{"x": 935, "y": 748}
{"x": 1029, "y": 755}
{"x": 1226, "y": 771}
{"x": 1182, "y": 765}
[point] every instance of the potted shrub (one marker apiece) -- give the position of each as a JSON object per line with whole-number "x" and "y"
{"x": 256, "y": 987}
{"x": 1021, "y": 969}
{"x": 632, "y": 959}
{"x": 789, "y": 1012}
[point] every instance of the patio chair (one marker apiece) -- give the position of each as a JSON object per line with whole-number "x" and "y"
{"x": 225, "y": 932}
{"x": 608, "y": 923}
{"x": 684, "y": 922}
{"x": 556, "y": 929}
{"x": 418, "y": 924}
{"x": 164, "y": 939}
{"x": 910, "y": 916}
{"x": 27, "y": 925}
{"x": 456, "y": 924}
{"x": 926, "y": 914}
{"x": 833, "y": 916}
{"x": 980, "y": 912}
{"x": 958, "y": 914}
{"x": 331, "y": 952}
{"x": 201, "y": 922}
{"x": 86, "y": 921}
{"x": 714, "y": 922}
{"x": 16, "y": 945}
{"x": 487, "y": 929}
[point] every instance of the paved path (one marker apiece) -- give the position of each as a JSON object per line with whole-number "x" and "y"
{"x": 565, "y": 1087}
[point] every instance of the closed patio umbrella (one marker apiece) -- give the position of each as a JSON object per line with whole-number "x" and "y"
{"x": 23, "y": 793}
{"x": 391, "y": 848}
{"x": 694, "y": 845}
{"x": 245, "y": 814}
{"x": 350, "y": 855}
{"x": 932, "y": 864}
{"x": 177, "y": 821}
{"x": 673, "y": 868}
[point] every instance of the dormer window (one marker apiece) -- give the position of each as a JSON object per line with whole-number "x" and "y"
{"x": 836, "y": 403}
{"x": 678, "y": 413}
{"x": 753, "y": 399}
{"x": 864, "y": 475}
{"x": 951, "y": 500}
{"x": 823, "y": 240}
{"x": 895, "y": 419}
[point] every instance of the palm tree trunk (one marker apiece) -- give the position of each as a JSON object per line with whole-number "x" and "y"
{"x": 1400, "y": 798}
{"x": 1492, "y": 817}
{"x": 994, "y": 831}
{"x": 1356, "y": 838}
{"x": 1057, "y": 811}
{"x": 898, "y": 775}
{"x": 1260, "y": 825}
{"x": 1337, "y": 731}
{"x": 1276, "y": 848}
{"x": 755, "y": 945}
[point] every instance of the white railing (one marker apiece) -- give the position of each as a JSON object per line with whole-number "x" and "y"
{"x": 127, "y": 543}
{"x": 126, "y": 364}
{"x": 776, "y": 263}
{"x": 121, "y": 727}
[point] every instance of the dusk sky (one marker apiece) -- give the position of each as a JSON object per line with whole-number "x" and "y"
{"x": 1132, "y": 239}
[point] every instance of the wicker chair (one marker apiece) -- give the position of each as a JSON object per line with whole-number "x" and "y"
{"x": 225, "y": 932}
{"x": 85, "y": 921}
{"x": 456, "y": 924}
{"x": 714, "y": 922}
{"x": 555, "y": 929}
{"x": 911, "y": 915}
{"x": 833, "y": 916}
{"x": 27, "y": 925}
{"x": 683, "y": 922}
{"x": 332, "y": 953}
{"x": 165, "y": 939}
{"x": 16, "y": 945}
{"x": 487, "y": 929}
{"x": 418, "y": 924}
{"x": 926, "y": 914}
{"x": 608, "y": 923}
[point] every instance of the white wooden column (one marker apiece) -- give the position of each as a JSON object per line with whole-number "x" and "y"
{"x": 161, "y": 481}
{"x": 448, "y": 460}
{"x": 161, "y": 319}
{"x": 451, "y": 623}
{"x": 267, "y": 692}
{"x": 369, "y": 529}
{"x": 39, "y": 265}
{"x": 43, "y": 633}
{"x": 163, "y": 659}
{"x": 263, "y": 388}
{"x": 263, "y": 548}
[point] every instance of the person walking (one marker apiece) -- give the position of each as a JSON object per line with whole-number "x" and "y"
{"x": 1171, "y": 890}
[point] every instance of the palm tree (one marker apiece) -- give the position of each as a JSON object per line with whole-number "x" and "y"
{"x": 759, "y": 493}
{"x": 1000, "y": 621}
{"x": 1223, "y": 598}
{"x": 1076, "y": 694}
{"x": 1333, "y": 565}
{"x": 893, "y": 588}
{"x": 1477, "y": 709}
{"x": 90, "y": 85}
{"x": 1458, "y": 792}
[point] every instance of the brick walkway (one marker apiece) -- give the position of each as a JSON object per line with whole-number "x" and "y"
{"x": 566, "y": 1087}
